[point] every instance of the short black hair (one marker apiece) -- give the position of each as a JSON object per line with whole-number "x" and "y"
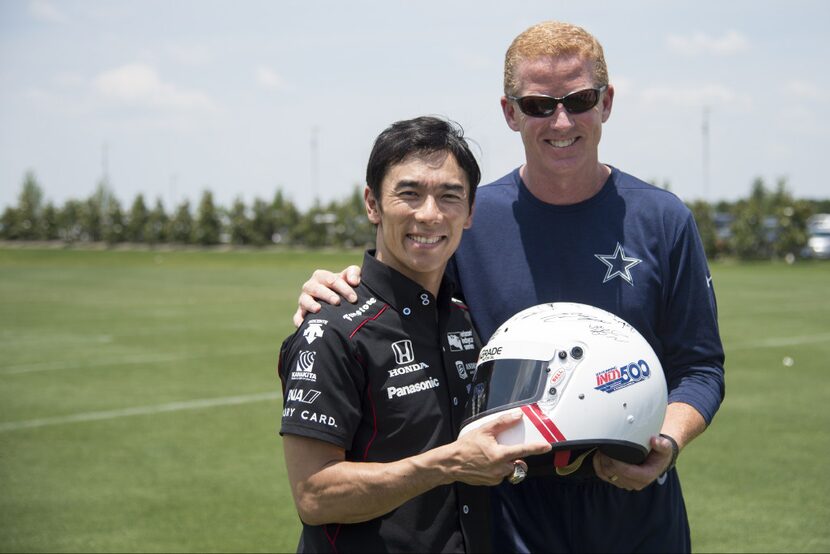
{"x": 421, "y": 136}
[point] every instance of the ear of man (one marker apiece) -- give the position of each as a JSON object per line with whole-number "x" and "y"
{"x": 372, "y": 206}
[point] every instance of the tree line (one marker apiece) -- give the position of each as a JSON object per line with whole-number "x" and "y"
{"x": 102, "y": 218}
{"x": 769, "y": 223}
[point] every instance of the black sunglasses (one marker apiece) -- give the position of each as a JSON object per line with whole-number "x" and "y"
{"x": 540, "y": 105}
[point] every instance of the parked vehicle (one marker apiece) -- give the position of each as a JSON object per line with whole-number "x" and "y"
{"x": 818, "y": 243}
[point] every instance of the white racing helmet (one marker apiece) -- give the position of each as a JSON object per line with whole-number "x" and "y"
{"x": 582, "y": 377}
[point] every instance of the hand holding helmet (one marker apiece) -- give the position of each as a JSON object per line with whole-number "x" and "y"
{"x": 480, "y": 459}
{"x": 635, "y": 476}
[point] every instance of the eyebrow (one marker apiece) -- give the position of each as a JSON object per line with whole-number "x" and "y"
{"x": 407, "y": 183}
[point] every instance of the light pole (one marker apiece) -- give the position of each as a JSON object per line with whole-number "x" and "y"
{"x": 314, "y": 164}
{"x": 705, "y": 130}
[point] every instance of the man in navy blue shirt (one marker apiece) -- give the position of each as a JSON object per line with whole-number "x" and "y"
{"x": 566, "y": 227}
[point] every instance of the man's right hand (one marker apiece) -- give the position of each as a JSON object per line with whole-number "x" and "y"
{"x": 479, "y": 458}
{"x": 326, "y": 287}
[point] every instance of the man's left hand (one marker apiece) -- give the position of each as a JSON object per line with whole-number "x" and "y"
{"x": 633, "y": 477}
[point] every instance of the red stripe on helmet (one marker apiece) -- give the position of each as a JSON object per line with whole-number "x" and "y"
{"x": 549, "y": 431}
{"x": 534, "y": 419}
{"x": 546, "y": 421}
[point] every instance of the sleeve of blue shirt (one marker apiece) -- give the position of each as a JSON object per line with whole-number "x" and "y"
{"x": 693, "y": 352}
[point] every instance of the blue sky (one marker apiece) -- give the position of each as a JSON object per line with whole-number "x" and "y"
{"x": 188, "y": 95}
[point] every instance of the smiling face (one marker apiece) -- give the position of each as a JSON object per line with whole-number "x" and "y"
{"x": 563, "y": 146}
{"x": 421, "y": 213}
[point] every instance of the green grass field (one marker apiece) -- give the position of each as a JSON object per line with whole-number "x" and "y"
{"x": 138, "y": 404}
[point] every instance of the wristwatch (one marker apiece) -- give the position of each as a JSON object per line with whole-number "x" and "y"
{"x": 675, "y": 450}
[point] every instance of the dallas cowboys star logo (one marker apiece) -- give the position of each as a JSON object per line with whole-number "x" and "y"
{"x": 619, "y": 264}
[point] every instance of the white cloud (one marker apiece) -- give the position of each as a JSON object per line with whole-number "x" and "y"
{"x": 139, "y": 85}
{"x": 701, "y": 43}
{"x": 68, "y": 79}
{"x": 42, "y": 10}
{"x": 269, "y": 78}
{"x": 194, "y": 55}
{"x": 804, "y": 90}
{"x": 689, "y": 96}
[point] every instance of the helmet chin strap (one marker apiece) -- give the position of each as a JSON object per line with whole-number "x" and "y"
{"x": 573, "y": 466}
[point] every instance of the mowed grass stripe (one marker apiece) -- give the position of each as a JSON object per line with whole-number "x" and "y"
{"x": 776, "y": 342}
{"x": 198, "y": 404}
{"x": 137, "y": 359}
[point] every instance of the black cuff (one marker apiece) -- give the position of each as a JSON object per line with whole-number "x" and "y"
{"x": 675, "y": 450}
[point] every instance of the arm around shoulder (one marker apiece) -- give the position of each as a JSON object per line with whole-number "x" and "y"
{"x": 326, "y": 286}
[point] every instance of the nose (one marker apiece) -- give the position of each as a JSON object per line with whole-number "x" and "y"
{"x": 429, "y": 211}
{"x": 561, "y": 119}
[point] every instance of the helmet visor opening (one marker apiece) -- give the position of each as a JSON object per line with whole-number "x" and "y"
{"x": 505, "y": 383}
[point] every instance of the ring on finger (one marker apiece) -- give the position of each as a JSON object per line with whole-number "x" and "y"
{"x": 518, "y": 475}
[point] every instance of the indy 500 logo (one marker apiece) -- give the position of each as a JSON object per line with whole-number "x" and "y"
{"x": 616, "y": 378}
